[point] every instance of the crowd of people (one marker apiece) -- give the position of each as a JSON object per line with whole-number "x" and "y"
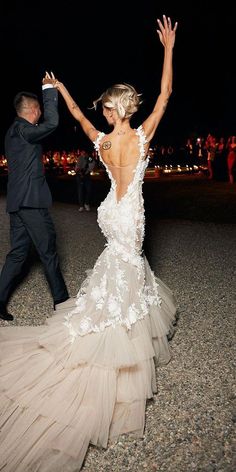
{"x": 216, "y": 155}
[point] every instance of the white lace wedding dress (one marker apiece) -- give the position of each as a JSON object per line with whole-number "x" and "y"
{"x": 85, "y": 376}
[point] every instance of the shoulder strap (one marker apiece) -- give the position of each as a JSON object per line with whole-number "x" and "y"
{"x": 98, "y": 140}
{"x": 142, "y": 141}
{"x": 97, "y": 144}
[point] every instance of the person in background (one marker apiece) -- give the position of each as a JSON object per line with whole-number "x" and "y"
{"x": 211, "y": 147}
{"x": 84, "y": 165}
{"x": 231, "y": 157}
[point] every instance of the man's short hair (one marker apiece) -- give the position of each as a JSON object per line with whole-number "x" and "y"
{"x": 21, "y": 98}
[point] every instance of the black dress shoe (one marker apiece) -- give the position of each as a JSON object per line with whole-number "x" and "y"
{"x": 56, "y": 302}
{"x": 4, "y": 315}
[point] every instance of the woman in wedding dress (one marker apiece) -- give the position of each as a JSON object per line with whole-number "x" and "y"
{"x": 84, "y": 378}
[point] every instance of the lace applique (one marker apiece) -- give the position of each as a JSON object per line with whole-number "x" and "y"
{"x": 142, "y": 141}
{"x": 98, "y": 293}
{"x": 98, "y": 140}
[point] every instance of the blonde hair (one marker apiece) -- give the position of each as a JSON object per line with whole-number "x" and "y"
{"x": 121, "y": 97}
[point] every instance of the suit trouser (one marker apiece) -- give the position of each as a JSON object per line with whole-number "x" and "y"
{"x": 32, "y": 225}
{"x": 84, "y": 188}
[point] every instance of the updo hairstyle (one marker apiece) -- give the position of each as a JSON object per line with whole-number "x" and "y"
{"x": 121, "y": 97}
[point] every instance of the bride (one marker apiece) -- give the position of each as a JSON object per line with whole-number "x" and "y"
{"x": 85, "y": 377}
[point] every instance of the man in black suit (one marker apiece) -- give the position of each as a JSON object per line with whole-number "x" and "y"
{"x": 28, "y": 194}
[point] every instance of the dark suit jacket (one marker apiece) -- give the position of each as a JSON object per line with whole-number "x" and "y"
{"x": 27, "y": 186}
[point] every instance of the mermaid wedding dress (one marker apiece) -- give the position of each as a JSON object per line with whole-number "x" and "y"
{"x": 85, "y": 376}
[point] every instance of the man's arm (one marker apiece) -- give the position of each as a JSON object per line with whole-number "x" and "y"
{"x": 35, "y": 133}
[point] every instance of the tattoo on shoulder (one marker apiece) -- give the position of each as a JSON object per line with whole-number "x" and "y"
{"x": 106, "y": 145}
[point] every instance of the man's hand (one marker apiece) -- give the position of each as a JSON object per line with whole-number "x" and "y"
{"x": 49, "y": 79}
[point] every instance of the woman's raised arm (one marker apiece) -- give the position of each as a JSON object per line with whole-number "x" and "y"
{"x": 167, "y": 37}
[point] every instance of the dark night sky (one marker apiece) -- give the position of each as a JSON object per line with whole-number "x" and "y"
{"x": 91, "y": 45}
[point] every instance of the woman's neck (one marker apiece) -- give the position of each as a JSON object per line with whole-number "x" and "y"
{"x": 121, "y": 128}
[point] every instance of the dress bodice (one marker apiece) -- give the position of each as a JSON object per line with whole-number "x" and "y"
{"x": 122, "y": 219}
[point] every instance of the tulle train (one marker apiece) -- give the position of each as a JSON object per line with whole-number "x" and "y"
{"x": 58, "y": 396}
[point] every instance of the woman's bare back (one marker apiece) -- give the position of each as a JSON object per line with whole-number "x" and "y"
{"x": 120, "y": 153}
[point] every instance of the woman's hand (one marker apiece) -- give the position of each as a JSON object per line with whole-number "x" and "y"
{"x": 59, "y": 85}
{"x": 166, "y": 32}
